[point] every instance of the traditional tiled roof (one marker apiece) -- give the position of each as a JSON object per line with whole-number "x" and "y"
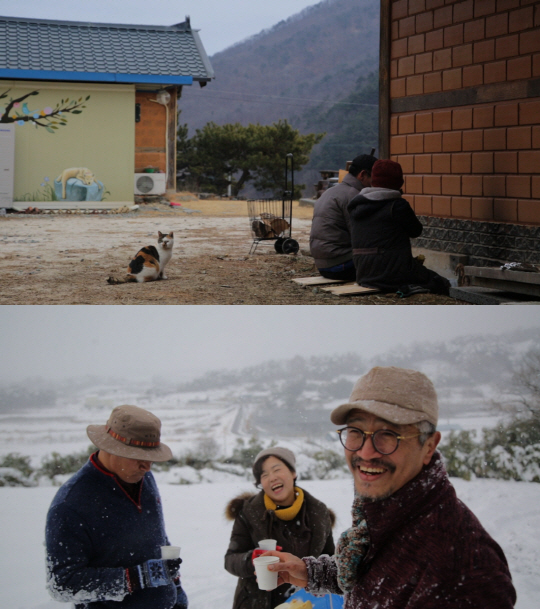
{"x": 103, "y": 52}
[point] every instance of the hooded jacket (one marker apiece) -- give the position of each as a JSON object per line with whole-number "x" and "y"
{"x": 428, "y": 551}
{"x": 308, "y": 534}
{"x": 330, "y": 237}
{"x": 94, "y": 531}
{"x": 382, "y": 225}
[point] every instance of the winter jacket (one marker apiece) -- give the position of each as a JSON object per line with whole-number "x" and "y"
{"x": 330, "y": 237}
{"x": 428, "y": 551}
{"x": 308, "y": 534}
{"x": 95, "y": 531}
{"x": 382, "y": 224}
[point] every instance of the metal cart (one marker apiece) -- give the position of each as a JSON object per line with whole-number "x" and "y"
{"x": 271, "y": 220}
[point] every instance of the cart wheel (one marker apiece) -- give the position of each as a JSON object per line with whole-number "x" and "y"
{"x": 290, "y": 246}
{"x": 278, "y": 245}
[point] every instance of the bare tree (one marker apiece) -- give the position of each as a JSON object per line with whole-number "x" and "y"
{"x": 521, "y": 396}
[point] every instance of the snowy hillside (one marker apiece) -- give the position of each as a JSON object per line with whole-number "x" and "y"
{"x": 223, "y": 413}
{"x": 286, "y": 401}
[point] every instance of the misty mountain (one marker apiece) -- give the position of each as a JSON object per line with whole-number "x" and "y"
{"x": 311, "y": 70}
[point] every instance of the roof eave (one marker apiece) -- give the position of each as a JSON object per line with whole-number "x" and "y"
{"x": 204, "y": 57}
{"x": 157, "y": 79}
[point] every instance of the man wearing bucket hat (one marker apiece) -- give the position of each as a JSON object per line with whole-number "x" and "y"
{"x": 105, "y": 526}
{"x": 382, "y": 225}
{"x": 412, "y": 543}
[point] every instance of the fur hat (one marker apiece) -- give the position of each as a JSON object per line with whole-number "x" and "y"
{"x": 131, "y": 432}
{"x": 397, "y": 395}
{"x": 387, "y": 174}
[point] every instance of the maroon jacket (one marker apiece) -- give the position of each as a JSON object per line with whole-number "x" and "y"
{"x": 428, "y": 551}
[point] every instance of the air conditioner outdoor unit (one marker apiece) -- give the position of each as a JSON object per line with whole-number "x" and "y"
{"x": 150, "y": 183}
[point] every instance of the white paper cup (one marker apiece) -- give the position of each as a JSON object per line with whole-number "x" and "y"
{"x": 267, "y": 544}
{"x": 170, "y": 552}
{"x": 267, "y": 580}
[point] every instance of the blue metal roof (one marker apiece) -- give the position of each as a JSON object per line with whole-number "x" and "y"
{"x": 69, "y": 50}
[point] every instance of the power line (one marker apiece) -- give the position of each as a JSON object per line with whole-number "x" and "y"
{"x": 282, "y": 98}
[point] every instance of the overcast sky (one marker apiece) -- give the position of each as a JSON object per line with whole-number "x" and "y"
{"x": 143, "y": 341}
{"x": 221, "y": 22}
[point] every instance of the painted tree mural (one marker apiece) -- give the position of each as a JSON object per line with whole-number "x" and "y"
{"x": 18, "y": 111}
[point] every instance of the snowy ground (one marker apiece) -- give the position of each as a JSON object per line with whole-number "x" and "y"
{"x": 195, "y": 521}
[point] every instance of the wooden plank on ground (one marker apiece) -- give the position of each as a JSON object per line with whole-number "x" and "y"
{"x": 316, "y": 280}
{"x": 350, "y": 289}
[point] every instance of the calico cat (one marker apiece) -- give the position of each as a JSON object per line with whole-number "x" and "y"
{"x": 149, "y": 262}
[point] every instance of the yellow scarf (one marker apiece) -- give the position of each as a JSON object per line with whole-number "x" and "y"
{"x": 286, "y": 513}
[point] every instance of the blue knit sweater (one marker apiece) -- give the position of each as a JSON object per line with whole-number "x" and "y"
{"x": 94, "y": 532}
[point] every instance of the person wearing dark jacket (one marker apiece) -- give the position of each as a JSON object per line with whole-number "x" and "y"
{"x": 282, "y": 511}
{"x": 105, "y": 526}
{"x": 330, "y": 236}
{"x": 382, "y": 225}
{"x": 412, "y": 542}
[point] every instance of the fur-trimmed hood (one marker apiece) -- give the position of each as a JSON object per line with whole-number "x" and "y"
{"x": 235, "y": 506}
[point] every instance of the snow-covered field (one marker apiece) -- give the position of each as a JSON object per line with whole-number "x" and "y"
{"x": 194, "y": 516}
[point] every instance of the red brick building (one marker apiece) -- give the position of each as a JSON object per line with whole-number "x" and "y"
{"x": 460, "y": 110}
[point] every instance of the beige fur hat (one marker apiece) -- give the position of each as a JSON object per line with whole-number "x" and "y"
{"x": 131, "y": 432}
{"x": 397, "y": 395}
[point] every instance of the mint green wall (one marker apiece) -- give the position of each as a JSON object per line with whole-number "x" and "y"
{"x": 100, "y": 138}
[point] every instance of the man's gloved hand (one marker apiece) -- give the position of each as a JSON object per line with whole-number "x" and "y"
{"x": 153, "y": 573}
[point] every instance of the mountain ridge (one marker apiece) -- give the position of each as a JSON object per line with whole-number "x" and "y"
{"x": 313, "y": 55}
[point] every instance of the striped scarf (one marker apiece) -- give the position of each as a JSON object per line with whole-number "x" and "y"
{"x": 351, "y": 548}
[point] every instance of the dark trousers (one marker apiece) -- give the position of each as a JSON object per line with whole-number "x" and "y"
{"x": 344, "y": 271}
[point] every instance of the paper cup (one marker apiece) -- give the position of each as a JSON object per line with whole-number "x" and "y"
{"x": 267, "y": 580}
{"x": 170, "y": 552}
{"x": 267, "y": 544}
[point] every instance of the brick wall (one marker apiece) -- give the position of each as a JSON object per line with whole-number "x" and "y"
{"x": 465, "y": 107}
{"x": 151, "y": 132}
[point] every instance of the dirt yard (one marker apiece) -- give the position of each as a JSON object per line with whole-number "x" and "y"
{"x": 66, "y": 258}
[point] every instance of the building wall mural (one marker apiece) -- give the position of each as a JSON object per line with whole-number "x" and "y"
{"x": 73, "y": 142}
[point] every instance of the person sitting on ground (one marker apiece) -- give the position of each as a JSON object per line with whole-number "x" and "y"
{"x": 282, "y": 511}
{"x": 382, "y": 225}
{"x": 330, "y": 237}
{"x": 412, "y": 542}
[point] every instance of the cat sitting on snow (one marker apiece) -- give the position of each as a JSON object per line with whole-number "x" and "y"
{"x": 149, "y": 262}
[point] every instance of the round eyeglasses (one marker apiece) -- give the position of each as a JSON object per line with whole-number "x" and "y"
{"x": 384, "y": 441}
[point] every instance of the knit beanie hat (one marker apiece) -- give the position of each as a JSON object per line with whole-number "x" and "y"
{"x": 286, "y": 455}
{"x": 387, "y": 174}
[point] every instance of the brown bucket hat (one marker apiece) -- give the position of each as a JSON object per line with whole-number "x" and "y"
{"x": 397, "y": 395}
{"x": 131, "y": 432}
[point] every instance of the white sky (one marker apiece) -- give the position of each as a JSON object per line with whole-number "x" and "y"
{"x": 221, "y": 22}
{"x": 175, "y": 341}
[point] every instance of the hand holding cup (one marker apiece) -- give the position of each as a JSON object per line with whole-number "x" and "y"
{"x": 291, "y": 569}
